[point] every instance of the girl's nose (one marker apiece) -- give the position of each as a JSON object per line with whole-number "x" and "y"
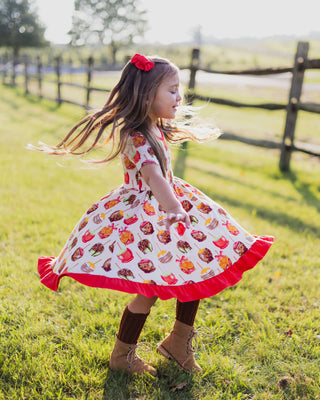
{"x": 179, "y": 98}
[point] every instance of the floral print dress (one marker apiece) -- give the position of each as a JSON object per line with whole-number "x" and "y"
{"x": 121, "y": 242}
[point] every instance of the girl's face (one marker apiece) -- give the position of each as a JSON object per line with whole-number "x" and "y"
{"x": 167, "y": 99}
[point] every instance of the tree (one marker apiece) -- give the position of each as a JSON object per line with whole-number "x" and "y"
{"x": 19, "y": 26}
{"x": 116, "y": 23}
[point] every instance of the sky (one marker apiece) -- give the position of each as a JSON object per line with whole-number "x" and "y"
{"x": 174, "y": 21}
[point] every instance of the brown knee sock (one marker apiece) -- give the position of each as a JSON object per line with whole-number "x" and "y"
{"x": 186, "y": 312}
{"x": 131, "y": 325}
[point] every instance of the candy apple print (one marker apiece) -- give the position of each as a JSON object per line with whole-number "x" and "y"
{"x": 180, "y": 228}
{"x": 223, "y": 260}
{"x": 222, "y": 212}
{"x": 164, "y": 236}
{"x": 149, "y": 195}
{"x": 136, "y": 157}
{"x": 96, "y": 249}
{"x": 139, "y": 140}
{"x": 164, "y": 256}
{"x": 92, "y": 208}
{"x": 116, "y": 216}
{"x": 194, "y": 220}
{"x": 89, "y": 235}
{"x": 145, "y": 246}
{"x": 183, "y": 246}
{"x": 130, "y": 200}
{"x": 130, "y": 219}
{"x": 106, "y": 231}
{"x": 178, "y": 191}
{"x": 107, "y": 265}
{"x": 186, "y": 265}
{"x": 186, "y": 205}
{"x": 126, "y": 236}
{"x": 197, "y": 192}
{"x": 125, "y": 255}
{"x": 128, "y": 164}
{"x": 97, "y": 219}
{"x": 231, "y": 228}
{"x": 111, "y": 247}
{"x": 77, "y": 254}
{"x": 198, "y": 235}
{"x": 240, "y": 248}
{"x": 146, "y": 228}
{"x": 221, "y": 242}
{"x": 205, "y": 255}
{"x": 83, "y": 223}
{"x": 111, "y": 203}
{"x": 204, "y": 208}
{"x": 87, "y": 267}
{"x": 126, "y": 178}
{"x": 74, "y": 242}
{"x": 146, "y": 266}
{"x": 126, "y": 274}
{"x": 169, "y": 278}
{"x": 148, "y": 209}
{"x": 211, "y": 223}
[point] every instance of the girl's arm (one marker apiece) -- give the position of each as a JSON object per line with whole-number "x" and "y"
{"x": 152, "y": 175}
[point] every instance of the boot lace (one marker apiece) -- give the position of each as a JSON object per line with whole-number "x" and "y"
{"x": 195, "y": 334}
{"x": 132, "y": 357}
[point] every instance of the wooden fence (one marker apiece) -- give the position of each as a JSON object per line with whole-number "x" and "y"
{"x": 288, "y": 144}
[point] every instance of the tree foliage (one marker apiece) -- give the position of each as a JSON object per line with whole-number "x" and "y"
{"x": 19, "y": 25}
{"x": 115, "y": 23}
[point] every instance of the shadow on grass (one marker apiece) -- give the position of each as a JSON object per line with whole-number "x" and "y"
{"x": 48, "y": 104}
{"x": 304, "y": 189}
{"x": 243, "y": 184}
{"x": 268, "y": 214}
{"x": 171, "y": 384}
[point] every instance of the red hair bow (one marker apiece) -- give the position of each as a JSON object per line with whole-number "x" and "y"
{"x": 141, "y": 62}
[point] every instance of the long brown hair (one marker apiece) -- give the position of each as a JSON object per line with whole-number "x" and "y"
{"x": 126, "y": 111}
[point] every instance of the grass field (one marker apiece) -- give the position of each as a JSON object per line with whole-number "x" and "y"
{"x": 261, "y": 339}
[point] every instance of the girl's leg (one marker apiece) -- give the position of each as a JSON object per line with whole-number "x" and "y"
{"x": 123, "y": 356}
{"x": 186, "y": 312}
{"x": 141, "y": 304}
{"x": 134, "y": 318}
{"x": 178, "y": 345}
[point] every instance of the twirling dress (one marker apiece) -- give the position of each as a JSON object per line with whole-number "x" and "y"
{"x": 121, "y": 242}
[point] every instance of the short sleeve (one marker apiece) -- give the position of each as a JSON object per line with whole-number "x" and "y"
{"x": 139, "y": 151}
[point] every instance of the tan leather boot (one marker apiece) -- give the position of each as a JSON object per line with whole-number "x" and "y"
{"x": 124, "y": 358}
{"x": 178, "y": 347}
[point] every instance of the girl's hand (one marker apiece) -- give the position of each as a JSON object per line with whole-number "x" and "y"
{"x": 175, "y": 215}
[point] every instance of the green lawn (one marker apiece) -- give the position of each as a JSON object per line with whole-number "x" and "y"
{"x": 261, "y": 337}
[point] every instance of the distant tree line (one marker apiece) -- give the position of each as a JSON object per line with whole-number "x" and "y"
{"x": 113, "y": 23}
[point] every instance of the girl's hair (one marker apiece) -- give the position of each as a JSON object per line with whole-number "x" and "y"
{"x": 126, "y": 111}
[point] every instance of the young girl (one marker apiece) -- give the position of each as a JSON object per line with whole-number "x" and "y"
{"x": 155, "y": 235}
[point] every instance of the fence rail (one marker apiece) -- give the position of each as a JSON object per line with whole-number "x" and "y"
{"x": 288, "y": 144}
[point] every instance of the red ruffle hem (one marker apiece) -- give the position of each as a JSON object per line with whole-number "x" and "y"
{"x": 189, "y": 292}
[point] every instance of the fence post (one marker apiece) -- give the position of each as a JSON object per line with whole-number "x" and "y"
{"x": 26, "y": 74}
{"x": 4, "y": 73}
{"x": 293, "y": 105}
{"x": 39, "y": 76}
{"x": 14, "y": 64}
{"x": 58, "y": 73}
{"x": 195, "y": 57}
{"x": 89, "y": 77}
{"x": 180, "y": 163}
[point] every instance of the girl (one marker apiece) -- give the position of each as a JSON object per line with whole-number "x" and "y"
{"x": 155, "y": 235}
